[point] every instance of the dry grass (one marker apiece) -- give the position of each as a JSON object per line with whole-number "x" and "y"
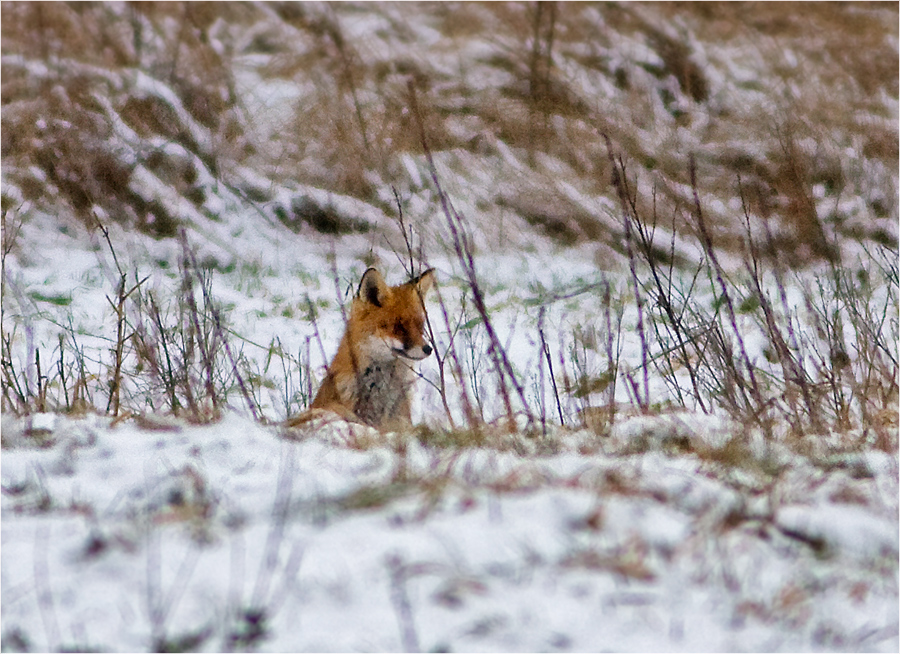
{"x": 62, "y": 62}
{"x": 537, "y": 108}
{"x": 532, "y": 105}
{"x": 353, "y": 122}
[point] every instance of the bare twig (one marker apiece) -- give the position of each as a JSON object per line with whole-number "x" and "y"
{"x": 400, "y": 600}
{"x": 545, "y": 349}
{"x": 463, "y": 249}
{"x": 44, "y": 592}
{"x": 188, "y": 290}
{"x": 707, "y": 243}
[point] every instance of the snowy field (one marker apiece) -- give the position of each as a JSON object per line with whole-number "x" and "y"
{"x": 630, "y": 498}
{"x": 668, "y": 532}
{"x": 228, "y": 536}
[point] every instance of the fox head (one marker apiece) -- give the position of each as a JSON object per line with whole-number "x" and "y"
{"x": 388, "y": 322}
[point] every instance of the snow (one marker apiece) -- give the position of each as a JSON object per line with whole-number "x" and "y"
{"x": 145, "y": 531}
{"x": 848, "y": 529}
{"x": 196, "y": 523}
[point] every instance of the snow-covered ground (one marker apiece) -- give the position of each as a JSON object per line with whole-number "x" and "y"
{"x": 133, "y": 536}
{"x": 671, "y": 531}
{"x": 674, "y": 532}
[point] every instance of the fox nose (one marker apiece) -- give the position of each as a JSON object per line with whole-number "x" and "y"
{"x": 426, "y": 349}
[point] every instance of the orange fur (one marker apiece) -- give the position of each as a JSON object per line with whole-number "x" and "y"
{"x": 371, "y": 376}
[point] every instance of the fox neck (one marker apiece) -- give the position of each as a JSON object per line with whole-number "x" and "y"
{"x": 382, "y": 392}
{"x": 376, "y": 389}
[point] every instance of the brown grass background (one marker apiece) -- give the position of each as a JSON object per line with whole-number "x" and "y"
{"x": 774, "y": 100}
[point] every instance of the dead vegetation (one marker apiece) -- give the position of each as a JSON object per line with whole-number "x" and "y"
{"x": 616, "y": 124}
{"x": 86, "y": 119}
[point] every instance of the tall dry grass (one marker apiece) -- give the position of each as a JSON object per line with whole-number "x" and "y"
{"x": 98, "y": 99}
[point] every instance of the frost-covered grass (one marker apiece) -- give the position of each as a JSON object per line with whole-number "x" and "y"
{"x": 154, "y": 117}
{"x": 137, "y": 536}
{"x": 669, "y": 530}
{"x": 189, "y": 326}
{"x": 662, "y": 409}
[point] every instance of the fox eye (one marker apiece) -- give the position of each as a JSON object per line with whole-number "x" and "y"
{"x": 400, "y": 331}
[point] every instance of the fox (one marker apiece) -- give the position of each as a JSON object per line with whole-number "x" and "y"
{"x": 370, "y": 379}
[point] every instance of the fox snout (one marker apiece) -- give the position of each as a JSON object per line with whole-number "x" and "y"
{"x": 415, "y": 353}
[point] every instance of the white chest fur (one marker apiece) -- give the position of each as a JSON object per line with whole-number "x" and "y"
{"x": 382, "y": 392}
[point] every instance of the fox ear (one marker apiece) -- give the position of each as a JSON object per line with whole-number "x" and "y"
{"x": 424, "y": 281}
{"x": 372, "y": 288}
